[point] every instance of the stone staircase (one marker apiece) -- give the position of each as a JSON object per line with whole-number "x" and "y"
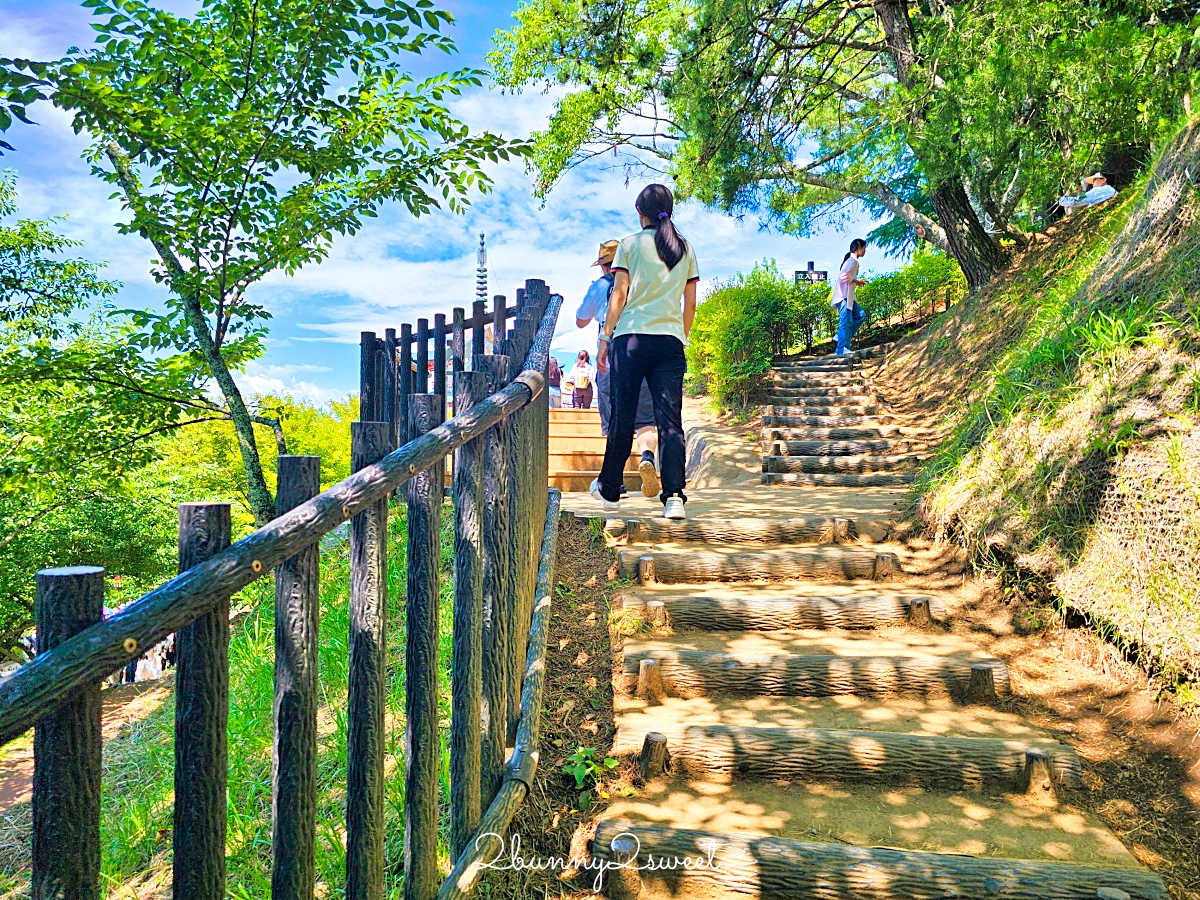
{"x": 577, "y": 451}
{"x": 805, "y": 720}
{"x": 825, "y": 425}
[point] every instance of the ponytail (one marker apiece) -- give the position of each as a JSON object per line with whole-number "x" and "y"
{"x": 856, "y": 244}
{"x": 656, "y": 202}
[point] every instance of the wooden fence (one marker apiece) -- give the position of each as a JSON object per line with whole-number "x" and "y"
{"x": 505, "y": 526}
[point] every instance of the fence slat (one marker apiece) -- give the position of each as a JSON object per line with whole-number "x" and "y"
{"x": 368, "y": 683}
{"x": 66, "y": 748}
{"x": 478, "y": 335}
{"x": 201, "y": 717}
{"x": 499, "y": 324}
{"x": 467, "y": 667}
{"x": 404, "y": 379}
{"x": 294, "y": 763}
{"x": 439, "y": 362}
{"x": 458, "y": 339}
{"x": 421, "y": 652}
{"x": 391, "y": 372}
{"x": 421, "y": 385}
{"x": 367, "y": 398}
{"x": 495, "y": 585}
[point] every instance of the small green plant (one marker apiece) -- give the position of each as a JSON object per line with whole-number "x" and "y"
{"x": 586, "y": 768}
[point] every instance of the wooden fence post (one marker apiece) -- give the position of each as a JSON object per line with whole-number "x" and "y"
{"x": 478, "y": 333}
{"x": 367, "y": 399}
{"x": 391, "y": 372}
{"x": 66, "y": 749}
{"x": 368, "y": 682}
{"x": 201, "y": 717}
{"x": 467, "y": 681}
{"x": 439, "y": 362}
{"x": 495, "y": 584}
{"x": 294, "y": 763}
{"x": 522, "y": 549}
{"x": 421, "y": 652}
{"x": 458, "y": 349}
{"x": 404, "y": 379}
{"x": 421, "y": 357}
{"x": 499, "y": 324}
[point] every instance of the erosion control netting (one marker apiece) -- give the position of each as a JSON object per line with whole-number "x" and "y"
{"x": 1140, "y": 572}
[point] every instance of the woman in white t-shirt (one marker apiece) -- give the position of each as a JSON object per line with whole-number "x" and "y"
{"x": 649, "y": 316}
{"x": 583, "y": 377}
{"x": 850, "y": 314}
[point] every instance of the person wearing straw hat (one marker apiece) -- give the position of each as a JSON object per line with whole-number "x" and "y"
{"x": 595, "y": 307}
{"x": 1096, "y": 189}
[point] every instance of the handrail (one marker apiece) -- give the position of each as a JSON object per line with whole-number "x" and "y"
{"x": 40, "y": 685}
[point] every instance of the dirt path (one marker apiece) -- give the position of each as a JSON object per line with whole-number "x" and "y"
{"x": 122, "y": 704}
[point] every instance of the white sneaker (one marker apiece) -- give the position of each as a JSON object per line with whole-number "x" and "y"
{"x": 845, "y": 353}
{"x": 609, "y": 505}
{"x": 650, "y": 483}
{"x": 673, "y": 508}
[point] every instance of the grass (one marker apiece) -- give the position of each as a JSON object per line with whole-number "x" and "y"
{"x": 1070, "y": 392}
{"x": 138, "y": 764}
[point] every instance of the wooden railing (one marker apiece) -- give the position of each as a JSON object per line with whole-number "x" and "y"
{"x": 505, "y": 526}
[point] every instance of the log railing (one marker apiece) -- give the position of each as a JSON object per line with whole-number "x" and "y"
{"x": 505, "y": 526}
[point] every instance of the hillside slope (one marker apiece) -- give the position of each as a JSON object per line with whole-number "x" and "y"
{"x": 1070, "y": 394}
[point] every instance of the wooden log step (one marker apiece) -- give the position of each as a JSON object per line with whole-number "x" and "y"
{"x": 824, "y": 398}
{"x": 698, "y": 566}
{"x": 581, "y": 482}
{"x": 821, "y": 409}
{"x": 770, "y": 868}
{"x": 827, "y": 364}
{"x": 821, "y": 479}
{"x": 818, "y": 380}
{"x": 734, "y": 610}
{"x": 803, "y": 530}
{"x": 862, "y": 465}
{"x": 874, "y": 352}
{"x": 832, "y": 390}
{"x": 721, "y": 752}
{"x": 819, "y": 421}
{"x": 707, "y": 673}
{"x": 882, "y": 446}
{"x": 849, "y": 433}
{"x": 585, "y": 460}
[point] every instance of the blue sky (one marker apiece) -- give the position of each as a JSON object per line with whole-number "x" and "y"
{"x": 397, "y": 268}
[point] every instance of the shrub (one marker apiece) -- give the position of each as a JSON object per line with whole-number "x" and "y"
{"x": 741, "y": 325}
{"x": 929, "y": 274}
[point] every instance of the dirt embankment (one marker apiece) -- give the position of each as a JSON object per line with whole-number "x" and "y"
{"x": 1069, "y": 391}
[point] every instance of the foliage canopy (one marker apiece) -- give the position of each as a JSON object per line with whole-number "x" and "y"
{"x": 245, "y": 138}
{"x": 800, "y": 110}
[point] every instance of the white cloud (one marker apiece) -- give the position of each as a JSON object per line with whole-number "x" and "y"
{"x": 273, "y": 379}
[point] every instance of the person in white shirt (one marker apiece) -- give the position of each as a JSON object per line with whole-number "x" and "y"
{"x": 582, "y": 376}
{"x": 1096, "y": 190}
{"x": 645, "y": 329}
{"x": 850, "y": 314}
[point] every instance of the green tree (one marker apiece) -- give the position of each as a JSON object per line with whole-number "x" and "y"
{"x": 943, "y": 115}
{"x": 244, "y": 139}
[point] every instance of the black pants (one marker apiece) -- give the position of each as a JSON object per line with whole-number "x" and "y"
{"x": 657, "y": 358}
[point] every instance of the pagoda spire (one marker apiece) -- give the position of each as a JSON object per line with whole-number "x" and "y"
{"x": 481, "y": 288}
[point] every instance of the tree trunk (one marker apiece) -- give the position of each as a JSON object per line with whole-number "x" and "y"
{"x": 262, "y": 504}
{"x": 978, "y": 255}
